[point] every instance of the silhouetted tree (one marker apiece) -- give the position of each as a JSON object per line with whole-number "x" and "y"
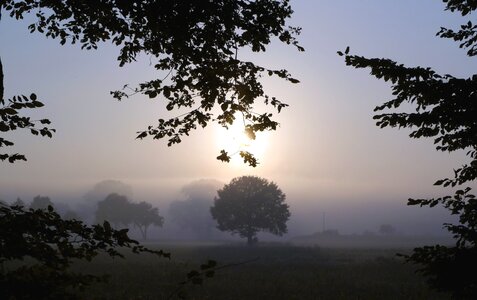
{"x": 446, "y": 110}
{"x": 250, "y": 204}
{"x": 52, "y": 244}
{"x": 12, "y": 118}
{"x": 40, "y": 202}
{"x": 195, "y": 43}
{"x": 144, "y": 215}
{"x": 116, "y": 209}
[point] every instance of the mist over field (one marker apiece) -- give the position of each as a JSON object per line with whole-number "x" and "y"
{"x": 310, "y": 213}
{"x": 267, "y": 149}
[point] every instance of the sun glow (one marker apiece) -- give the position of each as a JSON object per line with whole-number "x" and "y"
{"x": 234, "y": 139}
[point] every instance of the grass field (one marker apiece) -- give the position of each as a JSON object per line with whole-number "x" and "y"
{"x": 276, "y": 272}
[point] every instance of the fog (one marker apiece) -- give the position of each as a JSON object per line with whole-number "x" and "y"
{"x": 311, "y": 214}
{"x": 327, "y": 156}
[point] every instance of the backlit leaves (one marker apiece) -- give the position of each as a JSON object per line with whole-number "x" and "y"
{"x": 445, "y": 109}
{"x": 53, "y": 244}
{"x": 12, "y": 119}
{"x": 195, "y": 44}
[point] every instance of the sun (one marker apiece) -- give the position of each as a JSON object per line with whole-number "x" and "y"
{"x": 234, "y": 139}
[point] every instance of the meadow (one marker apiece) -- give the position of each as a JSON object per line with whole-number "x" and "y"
{"x": 270, "y": 271}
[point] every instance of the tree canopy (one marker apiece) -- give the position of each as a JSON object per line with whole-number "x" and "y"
{"x": 145, "y": 215}
{"x": 115, "y": 209}
{"x": 120, "y": 211}
{"x": 250, "y": 204}
{"x": 445, "y": 109}
{"x": 201, "y": 72}
{"x": 41, "y": 202}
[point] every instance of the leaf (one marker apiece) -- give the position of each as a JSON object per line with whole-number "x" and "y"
{"x": 293, "y": 80}
{"x": 223, "y": 156}
{"x": 142, "y": 135}
{"x": 166, "y": 92}
{"x": 152, "y": 94}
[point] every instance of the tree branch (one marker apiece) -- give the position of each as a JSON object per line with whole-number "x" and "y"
{"x": 1, "y": 81}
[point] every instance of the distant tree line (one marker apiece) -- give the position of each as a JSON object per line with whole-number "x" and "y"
{"x": 117, "y": 209}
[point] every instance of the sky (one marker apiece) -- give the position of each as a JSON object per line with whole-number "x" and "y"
{"x": 327, "y": 154}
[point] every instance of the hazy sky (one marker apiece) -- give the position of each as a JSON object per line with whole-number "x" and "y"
{"x": 327, "y": 150}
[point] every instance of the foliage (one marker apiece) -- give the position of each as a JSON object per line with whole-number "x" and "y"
{"x": 37, "y": 248}
{"x": 118, "y": 210}
{"x": 250, "y": 204}
{"x": 144, "y": 215}
{"x": 198, "y": 56}
{"x": 11, "y": 118}
{"x": 446, "y": 110}
{"x": 40, "y": 202}
{"x": 115, "y": 209}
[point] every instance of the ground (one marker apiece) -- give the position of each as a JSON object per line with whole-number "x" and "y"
{"x": 278, "y": 271}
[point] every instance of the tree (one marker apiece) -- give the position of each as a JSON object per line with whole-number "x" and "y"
{"x": 144, "y": 215}
{"x": 250, "y": 204}
{"x": 446, "y": 110}
{"x": 40, "y": 202}
{"x": 52, "y": 244}
{"x": 11, "y": 118}
{"x": 120, "y": 211}
{"x": 198, "y": 56}
{"x": 115, "y": 209}
{"x": 193, "y": 213}
{"x": 106, "y": 187}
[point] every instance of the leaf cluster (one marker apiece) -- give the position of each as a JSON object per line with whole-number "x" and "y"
{"x": 12, "y": 118}
{"x": 38, "y": 247}
{"x": 195, "y": 43}
{"x": 442, "y": 107}
{"x": 250, "y": 204}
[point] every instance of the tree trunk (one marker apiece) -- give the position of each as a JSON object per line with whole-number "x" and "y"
{"x": 1, "y": 82}
{"x": 251, "y": 240}
{"x": 145, "y": 233}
